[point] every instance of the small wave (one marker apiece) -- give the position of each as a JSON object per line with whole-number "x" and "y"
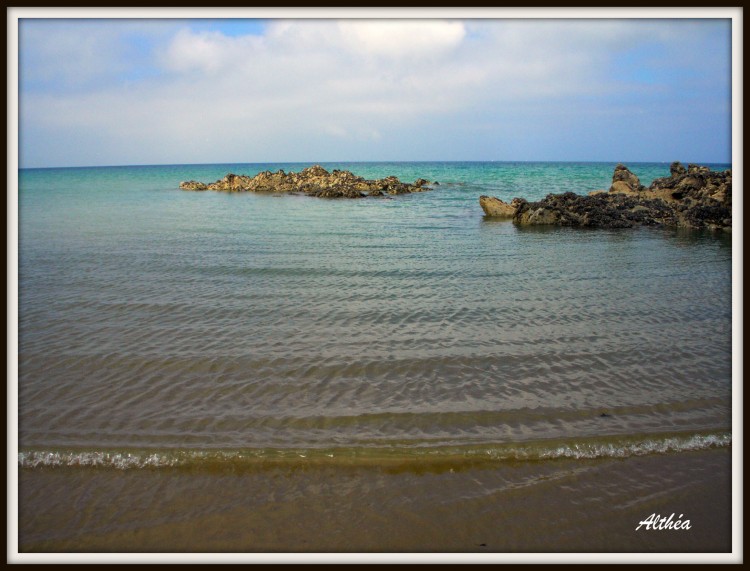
{"x": 248, "y": 459}
{"x": 591, "y": 450}
{"x": 96, "y": 459}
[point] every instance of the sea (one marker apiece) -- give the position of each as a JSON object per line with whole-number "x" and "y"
{"x": 184, "y": 355}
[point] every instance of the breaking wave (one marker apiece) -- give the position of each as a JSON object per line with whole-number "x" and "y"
{"x": 580, "y": 449}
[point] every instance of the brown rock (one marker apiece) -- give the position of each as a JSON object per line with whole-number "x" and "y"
{"x": 629, "y": 182}
{"x": 496, "y": 208}
{"x": 622, "y": 187}
{"x": 676, "y": 169}
{"x": 692, "y": 198}
{"x": 313, "y": 181}
{"x": 193, "y": 185}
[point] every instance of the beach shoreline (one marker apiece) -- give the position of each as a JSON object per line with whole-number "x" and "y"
{"x": 562, "y": 506}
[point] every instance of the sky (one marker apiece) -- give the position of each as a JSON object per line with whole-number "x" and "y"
{"x": 147, "y": 91}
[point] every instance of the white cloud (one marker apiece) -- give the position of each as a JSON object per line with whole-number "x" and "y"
{"x": 329, "y": 87}
{"x": 208, "y": 52}
{"x": 401, "y": 38}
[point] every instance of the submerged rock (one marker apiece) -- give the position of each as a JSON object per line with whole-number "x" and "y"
{"x": 695, "y": 197}
{"x": 312, "y": 181}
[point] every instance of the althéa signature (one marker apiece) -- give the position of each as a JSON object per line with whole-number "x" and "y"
{"x": 656, "y": 522}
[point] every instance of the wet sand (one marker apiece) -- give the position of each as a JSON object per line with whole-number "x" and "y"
{"x": 573, "y": 506}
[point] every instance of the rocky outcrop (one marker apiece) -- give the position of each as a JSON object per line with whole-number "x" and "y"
{"x": 696, "y": 184}
{"x": 624, "y": 181}
{"x": 695, "y": 197}
{"x": 193, "y": 185}
{"x": 602, "y": 210}
{"x": 495, "y": 207}
{"x": 312, "y": 181}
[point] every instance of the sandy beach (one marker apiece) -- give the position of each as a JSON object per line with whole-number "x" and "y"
{"x": 564, "y": 506}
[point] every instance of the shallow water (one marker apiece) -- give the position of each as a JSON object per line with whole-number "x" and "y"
{"x": 162, "y": 319}
{"x": 580, "y": 506}
{"x": 186, "y": 341}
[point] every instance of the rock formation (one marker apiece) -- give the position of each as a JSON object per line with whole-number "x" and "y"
{"x": 312, "y": 181}
{"x": 495, "y": 207}
{"x": 624, "y": 181}
{"x": 695, "y": 197}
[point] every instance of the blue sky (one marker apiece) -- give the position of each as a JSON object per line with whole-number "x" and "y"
{"x": 140, "y": 91}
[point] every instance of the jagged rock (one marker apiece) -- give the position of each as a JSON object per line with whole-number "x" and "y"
{"x": 676, "y": 169}
{"x": 495, "y": 207}
{"x": 193, "y": 185}
{"x": 695, "y": 197}
{"x": 312, "y": 181}
{"x": 624, "y": 181}
{"x": 698, "y": 169}
{"x": 697, "y": 183}
{"x": 601, "y": 210}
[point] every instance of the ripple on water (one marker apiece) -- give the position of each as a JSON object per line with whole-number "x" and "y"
{"x": 248, "y": 320}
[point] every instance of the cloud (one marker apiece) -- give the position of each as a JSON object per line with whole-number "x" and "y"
{"x": 397, "y": 39}
{"x": 328, "y": 46}
{"x": 208, "y": 52}
{"x": 355, "y": 89}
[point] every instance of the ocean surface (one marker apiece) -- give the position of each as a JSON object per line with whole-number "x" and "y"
{"x": 165, "y": 330}
{"x": 159, "y": 326}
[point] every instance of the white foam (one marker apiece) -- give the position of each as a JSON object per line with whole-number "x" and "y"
{"x": 623, "y": 447}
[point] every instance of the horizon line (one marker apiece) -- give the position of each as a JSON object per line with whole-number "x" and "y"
{"x": 320, "y": 162}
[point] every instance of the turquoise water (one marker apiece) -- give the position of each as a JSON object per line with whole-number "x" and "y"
{"x": 159, "y": 326}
